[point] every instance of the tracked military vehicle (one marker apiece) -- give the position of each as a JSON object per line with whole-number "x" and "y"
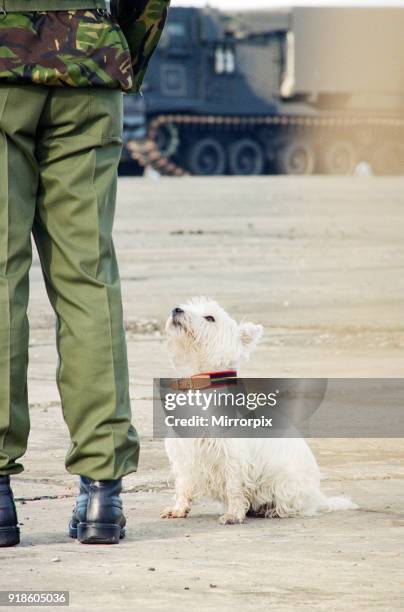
{"x": 311, "y": 90}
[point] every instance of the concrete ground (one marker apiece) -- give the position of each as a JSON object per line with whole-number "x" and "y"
{"x": 319, "y": 262}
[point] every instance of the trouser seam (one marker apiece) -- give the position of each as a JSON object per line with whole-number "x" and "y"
{"x": 4, "y": 435}
{"x": 109, "y": 311}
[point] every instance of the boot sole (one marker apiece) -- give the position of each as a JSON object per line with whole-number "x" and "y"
{"x": 99, "y": 533}
{"x": 9, "y": 536}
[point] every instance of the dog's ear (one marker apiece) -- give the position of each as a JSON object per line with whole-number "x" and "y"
{"x": 249, "y": 335}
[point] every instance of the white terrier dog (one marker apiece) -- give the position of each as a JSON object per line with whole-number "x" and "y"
{"x": 257, "y": 477}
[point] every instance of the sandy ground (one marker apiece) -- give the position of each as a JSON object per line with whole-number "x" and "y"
{"x": 319, "y": 262}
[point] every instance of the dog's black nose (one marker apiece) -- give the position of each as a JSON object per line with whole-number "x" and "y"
{"x": 177, "y": 311}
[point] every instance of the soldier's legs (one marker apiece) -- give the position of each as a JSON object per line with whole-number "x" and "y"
{"x": 20, "y": 109}
{"x": 79, "y": 147}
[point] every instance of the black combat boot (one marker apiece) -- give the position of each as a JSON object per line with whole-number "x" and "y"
{"x": 105, "y": 522}
{"x": 80, "y": 510}
{"x": 9, "y": 530}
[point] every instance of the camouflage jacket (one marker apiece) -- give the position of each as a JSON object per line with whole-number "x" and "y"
{"x": 81, "y": 47}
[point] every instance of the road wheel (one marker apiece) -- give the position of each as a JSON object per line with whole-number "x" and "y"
{"x": 246, "y": 157}
{"x": 168, "y": 139}
{"x": 340, "y": 157}
{"x": 389, "y": 159}
{"x": 298, "y": 157}
{"x": 207, "y": 157}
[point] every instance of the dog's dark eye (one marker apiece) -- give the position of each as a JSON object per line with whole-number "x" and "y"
{"x": 209, "y": 318}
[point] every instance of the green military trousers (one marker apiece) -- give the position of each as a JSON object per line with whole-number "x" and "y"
{"x": 59, "y": 151}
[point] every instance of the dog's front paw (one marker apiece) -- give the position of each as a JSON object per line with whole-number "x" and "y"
{"x": 173, "y": 513}
{"x": 230, "y": 519}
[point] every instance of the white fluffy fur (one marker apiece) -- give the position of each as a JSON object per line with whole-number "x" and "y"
{"x": 265, "y": 477}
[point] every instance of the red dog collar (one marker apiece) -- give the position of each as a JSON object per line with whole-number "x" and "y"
{"x": 206, "y": 380}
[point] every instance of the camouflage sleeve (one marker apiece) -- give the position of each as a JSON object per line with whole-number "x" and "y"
{"x": 142, "y": 22}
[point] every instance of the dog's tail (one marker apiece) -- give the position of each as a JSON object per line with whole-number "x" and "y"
{"x": 329, "y": 504}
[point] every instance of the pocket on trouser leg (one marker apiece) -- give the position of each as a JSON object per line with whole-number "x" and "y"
{"x": 105, "y": 116}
